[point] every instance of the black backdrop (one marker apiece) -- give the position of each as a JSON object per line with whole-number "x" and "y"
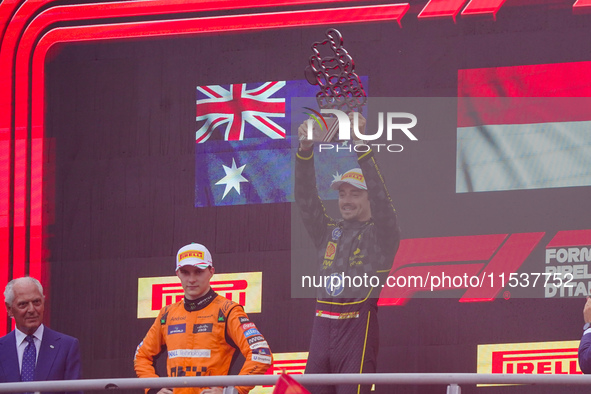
{"x": 121, "y": 117}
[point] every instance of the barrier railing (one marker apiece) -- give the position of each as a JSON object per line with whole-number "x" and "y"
{"x": 451, "y": 380}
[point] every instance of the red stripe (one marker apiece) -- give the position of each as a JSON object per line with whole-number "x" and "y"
{"x": 441, "y": 9}
{"x": 554, "y": 357}
{"x": 540, "y": 80}
{"x": 7, "y": 8}
{"x": 4, "y": 278}
{"x": 483, "y": 7}
{"x": 507, "y": 88}
{"x": 234, "y": 107}
{"x": 264, "y": 121}
{"x": 535, "y": 351}
{"x": 238, "y": 105}
{"x": 582, "y": 7}
{"x": 506, "y": 260}
{"x": 210, "y": 128}
{"x": 264, "y": 88}
{"x": 9, "y": 39}
{"x": 570, "y": 238}
{"x": 210, "y": 91}
{"x": 446, "y": 249}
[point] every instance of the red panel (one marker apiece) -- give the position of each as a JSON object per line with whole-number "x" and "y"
{"x": 441, "y": 9}
{"x": 7, "y": 8}
{"x": 14, "y": 14}
{"x": 483, "y": 8}
{"x": 507, "y": 260}
{"x": 570, "y": 238}
{"x": 399, "y": 295}
{"x": 20, "y": 204}
{"x": 424, "y": 257}
{"x": 540, "y": 80}
{"x": 582, "y": 7}
{"x": 421, "y": 256}
{"x": 36, "y": 231}
{"x": 446, "y": 249}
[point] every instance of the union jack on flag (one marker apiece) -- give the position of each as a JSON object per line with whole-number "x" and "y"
{"x": 230, "y": 111}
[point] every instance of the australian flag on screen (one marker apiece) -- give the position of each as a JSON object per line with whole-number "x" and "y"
{"x": 244, "y": 143}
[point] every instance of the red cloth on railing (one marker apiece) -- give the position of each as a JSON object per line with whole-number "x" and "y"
{"x": 288, "y": 385}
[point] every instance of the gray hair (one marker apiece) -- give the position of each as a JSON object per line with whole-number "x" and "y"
{"x": 9, "y": 293}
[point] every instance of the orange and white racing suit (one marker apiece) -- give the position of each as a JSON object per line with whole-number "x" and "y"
{"x": 201, "y": 338}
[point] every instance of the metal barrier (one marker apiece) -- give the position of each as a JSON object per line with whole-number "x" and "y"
{"x": 451, "y": 380}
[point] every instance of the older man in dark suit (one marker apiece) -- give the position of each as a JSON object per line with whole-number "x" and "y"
{"x": 33, "y": 352}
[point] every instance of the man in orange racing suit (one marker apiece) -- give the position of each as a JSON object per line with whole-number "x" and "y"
{"x": 201, "y": 332}
{"x": 362, "y": 243}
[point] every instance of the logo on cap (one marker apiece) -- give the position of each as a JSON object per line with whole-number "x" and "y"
{"x": 193, "y": 254}
{"x": 353, "y": 177}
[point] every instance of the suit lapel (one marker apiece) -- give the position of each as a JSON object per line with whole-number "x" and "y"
{"x": 9, "y": 358}
{"x": 47, "y": 353}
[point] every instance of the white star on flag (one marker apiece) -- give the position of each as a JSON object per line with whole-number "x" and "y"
{"x": 336, "y": 177}
{"x": 232, "y": 179}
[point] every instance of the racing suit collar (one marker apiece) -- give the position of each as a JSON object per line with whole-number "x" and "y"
{"x": 353, "y": 223}
{"x": 199, "y": 303}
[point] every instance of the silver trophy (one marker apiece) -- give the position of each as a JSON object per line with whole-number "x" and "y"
{"x": 333, "y": 70}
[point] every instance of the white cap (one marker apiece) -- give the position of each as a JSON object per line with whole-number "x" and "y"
{"x": 353, "y": 177}
{"x": 195, "y": 255}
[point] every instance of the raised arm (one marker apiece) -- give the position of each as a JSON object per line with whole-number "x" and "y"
{"x": 306, "y": 193}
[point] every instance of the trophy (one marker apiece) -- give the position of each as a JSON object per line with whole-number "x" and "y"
{"x": 333, "y": 70}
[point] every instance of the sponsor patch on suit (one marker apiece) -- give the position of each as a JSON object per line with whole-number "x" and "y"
{"x": 251, "y": 332}
{"x": 176, "y": 329}
{"x": 256, "y": 338}
{"x": 205, "y": 327}
{"x": 260, "y": 344}
{"x": 262, "y": 359}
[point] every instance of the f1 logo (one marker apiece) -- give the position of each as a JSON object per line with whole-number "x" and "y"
{"x": 474, "y": 255}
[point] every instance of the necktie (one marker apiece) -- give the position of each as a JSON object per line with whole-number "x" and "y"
{"x": 29, "y": 360}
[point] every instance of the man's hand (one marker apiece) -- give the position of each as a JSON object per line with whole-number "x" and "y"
{"x": 587, "y": 310}
{"x": 361, "y": 127}
{"x": 305, "y": 143}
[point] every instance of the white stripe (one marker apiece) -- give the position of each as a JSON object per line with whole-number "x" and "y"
{"x": 524, "y": 156}
{"x": 192, "y": 353}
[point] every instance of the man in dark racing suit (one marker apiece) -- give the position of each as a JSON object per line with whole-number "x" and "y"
{"x": 361, "y": 244}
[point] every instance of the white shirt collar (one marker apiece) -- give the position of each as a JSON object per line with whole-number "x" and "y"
{"x": 20, "y": 336}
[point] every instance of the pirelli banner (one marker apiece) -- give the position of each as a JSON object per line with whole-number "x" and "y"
{"x": 245, "y": 288}
{"x": 559, "y": 358}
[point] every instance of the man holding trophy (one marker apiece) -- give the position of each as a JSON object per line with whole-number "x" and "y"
{"x": 362, "y": 242}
